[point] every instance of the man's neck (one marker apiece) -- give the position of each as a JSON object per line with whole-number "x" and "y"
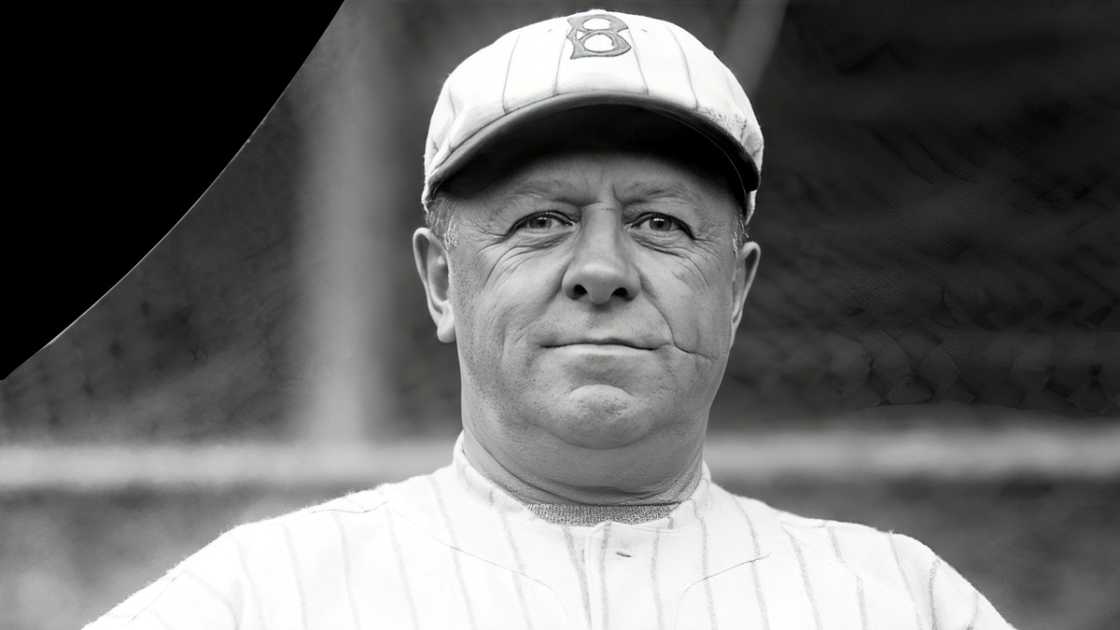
{"x": 536, "y": 491}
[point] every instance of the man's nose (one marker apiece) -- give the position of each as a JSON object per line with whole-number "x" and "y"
{"x": 602, "y": 268}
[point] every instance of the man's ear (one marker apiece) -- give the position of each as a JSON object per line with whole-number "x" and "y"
{"x": 746, "y": 265}
{"x": 435, "y": 274}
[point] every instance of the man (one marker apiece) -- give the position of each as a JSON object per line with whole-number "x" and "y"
{"x": 588, "y": 185}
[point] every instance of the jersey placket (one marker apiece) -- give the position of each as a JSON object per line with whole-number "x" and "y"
{"x": 621, "y": 588}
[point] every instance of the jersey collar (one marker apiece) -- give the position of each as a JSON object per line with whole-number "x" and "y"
{"x": 484, "y": 491}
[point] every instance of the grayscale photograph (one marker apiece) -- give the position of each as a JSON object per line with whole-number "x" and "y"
{"x": 646, "y": 315}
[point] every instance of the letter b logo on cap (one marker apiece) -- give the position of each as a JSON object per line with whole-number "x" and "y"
{"x": 597, "y": 35}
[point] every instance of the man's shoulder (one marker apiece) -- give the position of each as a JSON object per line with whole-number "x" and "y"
{"x": 801, "y": 525}
{"x": 368, "y": 502}
{"x": 858, "y": 545}
{"x": 885, "y": 566}
{"x": 363, "y": 511}
{"x": 280, "y": 558}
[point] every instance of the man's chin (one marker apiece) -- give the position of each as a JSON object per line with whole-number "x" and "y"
{"x": 601, "y": 417}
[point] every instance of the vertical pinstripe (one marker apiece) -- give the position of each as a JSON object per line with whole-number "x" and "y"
{"x": 758, "y": 594}
{"x": 300, "y": 597}
{"x": 712, "y": 621}
{"x": 975, "y": 610}
{"x": 835, "y": 542}
{"x": 248, "y": 580}
{"x": 861, "y": 599}
{"x": 654, "y": 584}
{"x": 905, "y": 582}
{"x": 517, "y": 561}
{"x": 603, "y": 597}
{"x": 932, "y": 598}
{"x": 509, "y": 64}
{"x": 559, "y": 61}
{"x": 454, "y": 552}
{"x": 805, "y": 579}
{"x": 638, "y": 62}
{"x": 451, "y": 104}
{"x": 345, "y": 547}
{"x": 732, "y": 82}
{"x": 687, "y": 69}
{"x": 401, "y": 569}
{"x": 581, "y": 576}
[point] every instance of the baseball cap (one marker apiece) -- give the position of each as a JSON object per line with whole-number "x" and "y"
{"x": 590, "y": 59}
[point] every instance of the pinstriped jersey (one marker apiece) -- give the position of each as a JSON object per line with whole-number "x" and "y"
{"x": 450, "y": 550}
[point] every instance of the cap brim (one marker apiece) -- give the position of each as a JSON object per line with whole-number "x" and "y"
{"x": 742, "y": 165}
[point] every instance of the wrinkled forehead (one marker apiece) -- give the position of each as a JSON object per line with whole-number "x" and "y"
{"x": 556, "y": 152}
{"x": 584, "y": 176}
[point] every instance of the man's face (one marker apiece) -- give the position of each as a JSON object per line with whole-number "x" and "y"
{"x": 593, "y": 297}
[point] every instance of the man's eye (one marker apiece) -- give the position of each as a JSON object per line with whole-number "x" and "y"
{"x": 542, "y": 222}
{"x": 660, "y": 223}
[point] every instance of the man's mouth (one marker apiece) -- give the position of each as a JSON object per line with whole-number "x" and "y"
{"x": 604, "y": 342}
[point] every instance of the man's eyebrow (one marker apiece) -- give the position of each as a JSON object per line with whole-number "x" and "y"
{"x": 646, "y": 190}
{"x": 515, "y": 195}
{"x": 559, "y": 189}
{"x": 537, "y": 187}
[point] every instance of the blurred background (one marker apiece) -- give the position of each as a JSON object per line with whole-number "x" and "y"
{"x": 932, "y": 345}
